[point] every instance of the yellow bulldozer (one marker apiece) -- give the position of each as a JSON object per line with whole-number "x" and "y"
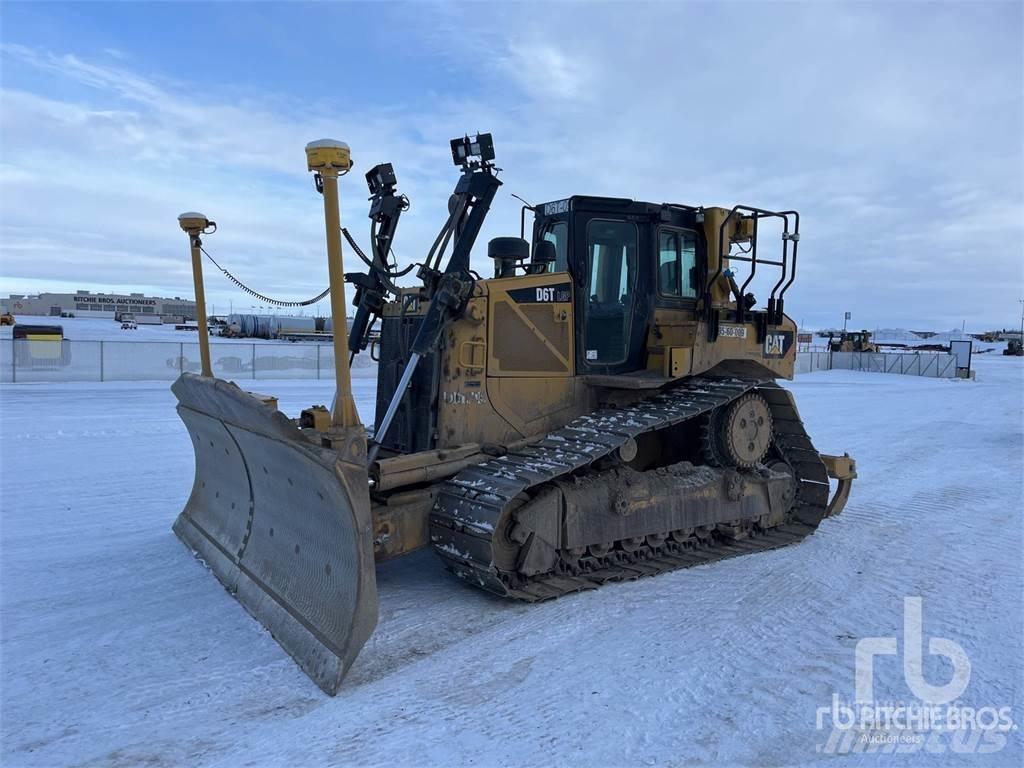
{"x": 852, "y": 341}
{"x": 604, "y": 407}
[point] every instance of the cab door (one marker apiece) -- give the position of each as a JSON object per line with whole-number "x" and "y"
{"x": 612, "y": 282}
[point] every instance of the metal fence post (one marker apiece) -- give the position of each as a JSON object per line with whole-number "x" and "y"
{"x": 318, "y": 362}
{"x": 101, "y": 360}
{"x": 14, "y": 360}
{"x": 181, "y": 357}
{"x": 254, "y": 361}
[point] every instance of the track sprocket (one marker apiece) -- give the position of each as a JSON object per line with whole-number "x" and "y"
{"x": 739, "y": 434}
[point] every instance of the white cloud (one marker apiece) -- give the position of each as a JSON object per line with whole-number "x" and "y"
{"x": 541, "y": 68}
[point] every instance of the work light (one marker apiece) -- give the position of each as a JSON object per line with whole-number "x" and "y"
{"x": 467, "y": 151}
{"x": 381, "y": 179}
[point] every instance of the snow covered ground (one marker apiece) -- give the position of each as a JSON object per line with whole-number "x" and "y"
{"x": 119, "y": 648}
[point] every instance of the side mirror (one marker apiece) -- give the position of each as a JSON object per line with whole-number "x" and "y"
{"x": 544, "y": 256}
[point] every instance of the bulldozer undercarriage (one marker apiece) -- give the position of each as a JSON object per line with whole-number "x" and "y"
{"x": 570, "y": 513}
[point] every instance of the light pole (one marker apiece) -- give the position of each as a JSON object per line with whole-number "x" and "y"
{"x": 846, "y": 316}
{"x": 1021, "y": 320}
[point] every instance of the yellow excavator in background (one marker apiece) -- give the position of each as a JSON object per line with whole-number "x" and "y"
{"x": 604, "y": 407}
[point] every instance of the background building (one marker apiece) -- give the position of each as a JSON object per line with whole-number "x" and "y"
{"x": 104, "y": 305}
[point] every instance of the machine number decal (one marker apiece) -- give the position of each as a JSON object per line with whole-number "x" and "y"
{"x": 777, "y": 343}
{"x": 544, "y": 294}
{"x": 559, "y": 206}
{"x": 734, "y": 331}
{"x": 463, "y": 398}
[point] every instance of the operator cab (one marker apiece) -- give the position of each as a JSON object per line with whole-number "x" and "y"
{"x": 626, "y": 258}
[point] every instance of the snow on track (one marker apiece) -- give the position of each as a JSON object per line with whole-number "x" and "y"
{"x": 119, "y": 648}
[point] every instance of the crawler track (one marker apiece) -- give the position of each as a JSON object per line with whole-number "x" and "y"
{"x": 473, "y": 505}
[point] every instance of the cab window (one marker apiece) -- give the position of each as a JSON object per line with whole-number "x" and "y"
{"x": 677, "y": 260}
{"x": 557, "y": 232}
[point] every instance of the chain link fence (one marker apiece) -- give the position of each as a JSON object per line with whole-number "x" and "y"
{"x": 808, "y": 362}
{"x": 25, "y": 360}
{"x": 930, "y": 364}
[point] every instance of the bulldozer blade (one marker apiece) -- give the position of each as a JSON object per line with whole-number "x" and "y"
{"x": 283, "y": 523}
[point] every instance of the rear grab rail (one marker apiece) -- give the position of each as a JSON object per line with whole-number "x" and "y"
{"x": 787, "y": 264}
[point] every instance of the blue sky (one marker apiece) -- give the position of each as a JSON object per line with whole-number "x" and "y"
{"x": 894, "y": 128}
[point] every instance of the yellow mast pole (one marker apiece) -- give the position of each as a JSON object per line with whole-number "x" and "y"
{"x": 194, "y": 224}
{"x": 329, "y": 159}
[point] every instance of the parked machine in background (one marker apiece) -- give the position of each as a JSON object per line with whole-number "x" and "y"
{"x": 40, "y": 346}
{"x": 604, "y": 407}
{"x": 1014, "y": 347}
{"x": 7, "y": 319}
{"x": 852, "y": 341}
